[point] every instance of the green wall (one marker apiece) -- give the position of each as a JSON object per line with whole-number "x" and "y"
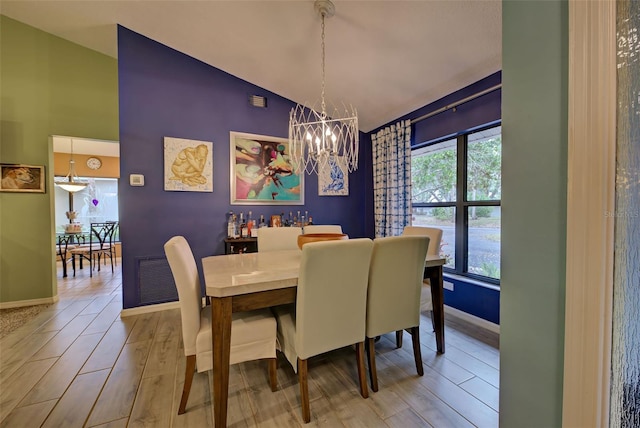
{"x": 534, "y": 186}
{"x": 48, "y": 86}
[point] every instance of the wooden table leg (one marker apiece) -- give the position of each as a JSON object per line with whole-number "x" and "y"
{"x": 437, "y": 297}
{"x": 221, "y": 345}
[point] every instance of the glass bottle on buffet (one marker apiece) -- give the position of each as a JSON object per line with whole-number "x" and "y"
{"x": 249, "y": 225}
{"x": 230, "y": 226}
{"x": 235, "y": 226}
{"x": 262, "y": 222}
{"x": 243, "y": 226}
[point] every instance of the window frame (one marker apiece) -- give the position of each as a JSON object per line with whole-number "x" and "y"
{"x": 461, "y": 204}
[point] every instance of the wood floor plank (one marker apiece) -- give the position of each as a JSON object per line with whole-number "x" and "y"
{"x": 108, "y": 350}
{"x": 27, "y": 329}
{"x": 62, "y": 373}
{"x": 120, "y": 423}
{"x": 117, "y": 397}
{"x": 75, "y": 405}
{"x": 145, "y": 327}
{"x": 104, "y": 319}
{"x": 20, "y": 383}
{"x": 426, "y": 404}
{"x": 97, "y": 304}
{"x": 152, "y": 407}
{"x": 406, "y": 418}
{"x": 474, "y": 365}
{"x": 386, "y": 402}
{"x": 465, "y": 404}
{"x": 483, "y": 391}
{"x": 65, "y": 337}
{"x": 343, "y": 393}
{"x": 163, "y": 356}
{"x": 270, "y": 408}
{"x": 449, "y": 369}
{"x": 12, "y": 359}
{"x": 28, "y": 416}
{"x": 65, "y": 316}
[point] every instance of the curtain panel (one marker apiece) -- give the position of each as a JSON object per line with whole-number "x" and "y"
{"x": 392, "y": 178}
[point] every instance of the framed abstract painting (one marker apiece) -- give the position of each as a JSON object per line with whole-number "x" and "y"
{"x": 262, "y": 171}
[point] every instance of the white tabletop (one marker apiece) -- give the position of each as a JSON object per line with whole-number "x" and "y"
{"x": 234, "y": 274}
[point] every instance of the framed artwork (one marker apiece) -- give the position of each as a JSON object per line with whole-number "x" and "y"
{"x": 188, "y": 165}
{"x": 22, "y": 178}
{"x": 333, "y": 178}
{"x": 262, "y": 171}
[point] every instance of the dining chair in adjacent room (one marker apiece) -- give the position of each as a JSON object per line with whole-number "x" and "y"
{"x": 278, "y": 238}
{"x": 323, "y": 228}
{"x": 393, "y": 297}
{"x": 253, "y": 333}
{"x": 435, "y": 238}
{"x": 329, "y": 312}
{"x": 64, "y": 246}
{"x": 101, "y": 246}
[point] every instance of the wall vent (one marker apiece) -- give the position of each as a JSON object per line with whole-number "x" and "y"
{"x": 155, "y": 280}
{"x": 258, "y": 101}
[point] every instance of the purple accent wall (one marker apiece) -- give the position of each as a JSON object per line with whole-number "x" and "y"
{"x": 163, "y": 92}
{"x": 473, "y": 114}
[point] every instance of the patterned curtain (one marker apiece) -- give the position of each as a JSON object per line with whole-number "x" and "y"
{"x": 392, "y": 179}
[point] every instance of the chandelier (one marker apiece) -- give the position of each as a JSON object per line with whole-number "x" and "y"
{"x": 71, "y": 183}
{"x": 319, "y": 134}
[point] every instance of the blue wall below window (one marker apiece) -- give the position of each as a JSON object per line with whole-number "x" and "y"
{"x": 477, "y": 300}
{"x": 163, "y": 92}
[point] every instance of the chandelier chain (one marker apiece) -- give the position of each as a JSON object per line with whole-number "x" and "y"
{"x": 324, "y": 141}
{"x": 323, "y": 105}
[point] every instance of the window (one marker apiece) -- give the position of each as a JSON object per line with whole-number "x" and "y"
{"x": 456, "y": 186}
{"x": 97, "y": 202}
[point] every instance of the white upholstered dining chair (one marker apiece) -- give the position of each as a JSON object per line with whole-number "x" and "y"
{"x": 435, "y": 238}
{"x": 253, "y": 333}
{"x": 323, "y": 228}
{"x": 329, "y": 312}
{"x": 395, "y": 280}
{"x": 278, "y": 238}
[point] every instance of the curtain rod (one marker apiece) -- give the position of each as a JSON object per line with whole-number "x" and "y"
{"x": 457, "y": 103}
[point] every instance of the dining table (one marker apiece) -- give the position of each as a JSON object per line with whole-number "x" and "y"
{"x": 248, "y": 281}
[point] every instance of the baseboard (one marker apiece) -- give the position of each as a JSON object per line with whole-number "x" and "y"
{"x": 149, "y": 308}
{"x": 487, "y": 325}
{"x": 32, "y": 302}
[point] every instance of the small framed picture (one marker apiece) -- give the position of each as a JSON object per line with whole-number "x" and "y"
{"x": 22, "y": 178}
{"x": 333, "y": 178}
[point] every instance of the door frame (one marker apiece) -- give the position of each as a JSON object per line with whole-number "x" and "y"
{"x": 590, "y": 200}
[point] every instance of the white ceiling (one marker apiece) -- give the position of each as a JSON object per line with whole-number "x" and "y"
{"x": 85, "y": 146}
{"x": 386, "y": 57}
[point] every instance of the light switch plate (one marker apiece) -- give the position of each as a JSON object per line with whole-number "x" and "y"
{"x": 136, "y": 179}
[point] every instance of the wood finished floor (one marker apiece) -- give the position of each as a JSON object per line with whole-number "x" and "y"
{"x": 78, "y": 364}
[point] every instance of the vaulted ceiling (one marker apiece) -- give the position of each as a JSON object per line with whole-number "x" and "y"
{"x": 385, "y": 57}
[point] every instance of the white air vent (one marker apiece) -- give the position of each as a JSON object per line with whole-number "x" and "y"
{"x": 258, "y": 101}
